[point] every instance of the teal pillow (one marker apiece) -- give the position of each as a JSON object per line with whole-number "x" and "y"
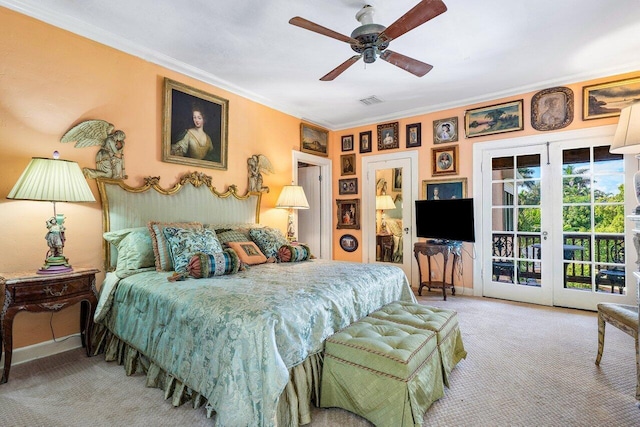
{"x": 186, "y": 242}
{"x": 294, "y": 253}
{"x": 268, "y": 239}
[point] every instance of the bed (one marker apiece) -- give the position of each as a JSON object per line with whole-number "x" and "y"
{"x": 247, "y": 346}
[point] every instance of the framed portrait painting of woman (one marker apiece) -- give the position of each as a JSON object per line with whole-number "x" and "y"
{"x": 195, "y": 127}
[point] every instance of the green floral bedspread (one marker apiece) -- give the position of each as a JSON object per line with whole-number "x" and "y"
{"x": 233, "y": 338}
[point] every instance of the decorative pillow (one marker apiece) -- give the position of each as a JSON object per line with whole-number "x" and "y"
{"x": 202, "y": 265}
{"x": 135, "y": 249}
{"x": 268, "y": 239}
{"x": 232, "y": 236}
{"x": 248, "y": 252}
{"x": 185, "y": 242}
{"x": 160, "y": 246}
{"x": 294, "y": 253}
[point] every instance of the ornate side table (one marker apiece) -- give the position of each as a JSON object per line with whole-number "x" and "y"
{"x": 431, "y": 248}
{"x": 35, "y": 293}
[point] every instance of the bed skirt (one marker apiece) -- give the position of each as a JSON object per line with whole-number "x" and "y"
{"x": 294, "y": 404}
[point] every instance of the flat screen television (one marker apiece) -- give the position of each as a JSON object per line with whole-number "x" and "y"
{"x": 450, "y": 219}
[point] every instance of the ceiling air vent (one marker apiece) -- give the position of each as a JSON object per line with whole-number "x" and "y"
{"x": 371, "y": 100}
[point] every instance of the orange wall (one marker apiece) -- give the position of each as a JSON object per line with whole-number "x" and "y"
{"x": 465, "y": 153}
{"x": 51, "y": 80}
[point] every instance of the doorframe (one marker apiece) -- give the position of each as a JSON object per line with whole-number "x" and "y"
{"x": 326, "y": 192}
{"x": 550, "y": 138}
{"x": 369, "y": 198}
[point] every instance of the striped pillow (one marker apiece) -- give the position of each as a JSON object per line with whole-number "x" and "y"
{"x": 203, "y": 265}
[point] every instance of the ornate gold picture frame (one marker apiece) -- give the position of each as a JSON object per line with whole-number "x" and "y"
{"x": 195, "y": 127}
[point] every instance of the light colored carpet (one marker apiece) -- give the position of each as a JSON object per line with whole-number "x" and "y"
{"x": 527, "y": 366}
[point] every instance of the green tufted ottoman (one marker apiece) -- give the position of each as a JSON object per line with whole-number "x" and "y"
{"x": 439, "y": 320}
{"x": 387, "y": 373}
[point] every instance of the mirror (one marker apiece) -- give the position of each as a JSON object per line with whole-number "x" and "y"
{"x": 389, "y": 233}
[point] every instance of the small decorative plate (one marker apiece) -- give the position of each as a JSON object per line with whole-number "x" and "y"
{"x": 348, "y": 243}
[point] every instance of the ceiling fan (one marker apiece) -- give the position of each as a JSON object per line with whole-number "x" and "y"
{"x": 371, "y": 40}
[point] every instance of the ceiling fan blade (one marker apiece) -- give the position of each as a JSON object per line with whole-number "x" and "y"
{"x": 421, "y": 13}
{"x": 340, "y": 68}
{"x": 411, "y": 65}
{"x": 311, "y": 26}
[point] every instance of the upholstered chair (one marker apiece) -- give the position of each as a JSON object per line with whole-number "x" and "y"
{"x": 625, "y": 318}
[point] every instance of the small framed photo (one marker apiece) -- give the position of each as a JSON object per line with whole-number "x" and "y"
{"x": 414, "y": 135}
{"x": 499, "y": 118}
{"x": 195, "y": 127}
{"x": 314, "y": 140}
{"x": 347, "y": 143}
{"x": 397, "y": 180}
{"x": 444, "y": 160}
{"x": 348, "y": 213}
{"x": 552, "y": 109}
{"x": 348, "y": 186}
{"x": 608, "y": 99}
{"x": 365, "y": 142}
{"x": 388, "y": 136}
{"x": 436, "y": 189}
{"x": 348, "y": 164}
{"x": 445, "y": 130}
{"x": 348, "y": 243}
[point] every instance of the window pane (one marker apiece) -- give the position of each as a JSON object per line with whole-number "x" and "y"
{"x": 529, "y": 219}
{"x": 502, "y": 167}
{"x": 575, "y": 159}
{"x": 502, "y": 219}
{"x": 609, "y": 218}
{"x": 604, "y": 161}
{"x": 576, "y": 218}
{"x": 608, "y": 188}
{"x": 576, "y": 189}
{"x": 502, "y": 193}
{"x": 529, "y": 192}
{"x": 529, "y": 166}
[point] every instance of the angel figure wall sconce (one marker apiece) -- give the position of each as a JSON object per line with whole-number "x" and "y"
{"x": 110, "y": 156}
{"x": 258, "y": 164}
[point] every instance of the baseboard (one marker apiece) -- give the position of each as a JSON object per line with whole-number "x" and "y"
{"x": 43, "y": 349}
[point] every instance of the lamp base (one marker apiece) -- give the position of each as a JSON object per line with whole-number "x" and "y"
{"x": 54, "y": 265}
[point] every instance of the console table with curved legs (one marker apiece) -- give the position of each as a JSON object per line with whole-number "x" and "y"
{"x": 431, "y": 248}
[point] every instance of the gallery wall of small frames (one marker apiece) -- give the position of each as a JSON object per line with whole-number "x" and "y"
{"x": 550, "y": 109}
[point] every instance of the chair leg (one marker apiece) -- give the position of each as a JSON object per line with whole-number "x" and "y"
{"x": 601, "y": 324}
{"x": 637, "y": 369}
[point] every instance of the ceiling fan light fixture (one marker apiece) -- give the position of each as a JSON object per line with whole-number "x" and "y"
{"x": 369, "y": 55}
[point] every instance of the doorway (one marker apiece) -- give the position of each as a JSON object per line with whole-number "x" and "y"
{"x": 313, "y": 174}
{"x": 388, "y": 191}
{"x": 553, "y": 225}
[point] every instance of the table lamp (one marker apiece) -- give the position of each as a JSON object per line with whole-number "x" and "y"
{"x": 53, "y": 180}
{"x": 292, "y": 197}
{"x": 626, "y": 140}
{"x": 384, "y": 202}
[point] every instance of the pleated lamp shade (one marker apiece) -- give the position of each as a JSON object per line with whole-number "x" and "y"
{"x": 292, "y": 197}
{"x": 52, "y": 180}
{"x": 626, "y": 140}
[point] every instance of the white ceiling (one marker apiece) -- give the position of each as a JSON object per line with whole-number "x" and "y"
{"x": 480, "y": 50}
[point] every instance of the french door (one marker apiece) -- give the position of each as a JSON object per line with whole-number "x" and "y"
{"x": 554, "y": 225}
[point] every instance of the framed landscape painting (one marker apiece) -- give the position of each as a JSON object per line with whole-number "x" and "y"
{"x": 499, "y": 118}
{"x": 314, "y": 140}
{"x": 608, "y": 99}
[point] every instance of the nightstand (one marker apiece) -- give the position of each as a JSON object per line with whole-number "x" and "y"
{"x": 41, "y": 292}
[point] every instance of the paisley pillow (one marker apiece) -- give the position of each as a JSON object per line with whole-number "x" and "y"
{"x": 160, "y": 247}
{"x": 202, "y": 265}
{"x": 268, "y": 239}
{"x": 185, "y": 242}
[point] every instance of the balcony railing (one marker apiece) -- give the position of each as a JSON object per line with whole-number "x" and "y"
{"x": 586, "y": 265}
